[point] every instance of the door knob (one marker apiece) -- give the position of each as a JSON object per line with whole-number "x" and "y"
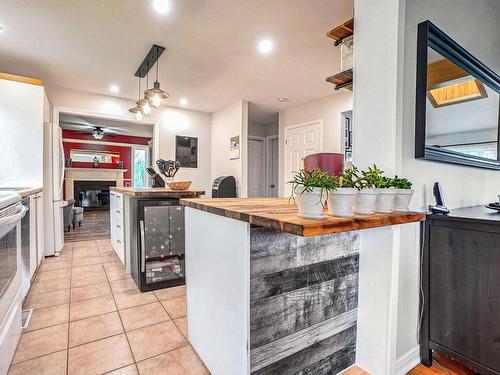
{"x": 272, "y": 186}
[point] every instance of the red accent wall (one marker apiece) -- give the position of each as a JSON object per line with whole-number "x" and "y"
{"x": 125, "y": 152}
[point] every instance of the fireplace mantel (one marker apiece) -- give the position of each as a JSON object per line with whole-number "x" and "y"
{"x": 90, "y": 174}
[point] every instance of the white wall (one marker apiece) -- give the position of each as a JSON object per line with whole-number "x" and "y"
{"x": 479, "y": 33}
{"x": 172, "y": 122}
{"x": 228, "y": 122}
{"x": 328, "y": 109}
{"x": 21, "y": 129}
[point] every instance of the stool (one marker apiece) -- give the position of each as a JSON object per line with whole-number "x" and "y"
{"x": 77, "y": 216}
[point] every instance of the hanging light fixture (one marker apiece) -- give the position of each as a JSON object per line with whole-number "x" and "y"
{"x": 145, "y": 103}
{"x": 138, "y": 111}
{"x": 156, "y": 94}
{"x": 98, "y": 133}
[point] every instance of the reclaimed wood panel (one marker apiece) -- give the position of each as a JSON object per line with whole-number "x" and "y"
{"x": 303, "y": 292}
{"x": 281, "y": 215}
{"x": 274, "y": 251}
{"x": 157, "y": 192}
{"x": 294, "y": 346}
{"x": 342, "y": 31}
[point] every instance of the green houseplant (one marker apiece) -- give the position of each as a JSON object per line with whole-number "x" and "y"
{"x": 341, "y": 197}
{"x": 368, "y": 184}
{"x": 310, "y": 190}
{"x": 404, "y": 193}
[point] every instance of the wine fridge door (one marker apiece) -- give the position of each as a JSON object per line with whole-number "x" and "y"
{"x": 162, "y": 246}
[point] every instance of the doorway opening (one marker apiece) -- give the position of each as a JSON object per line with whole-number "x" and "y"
{"x": 262, "y": 152}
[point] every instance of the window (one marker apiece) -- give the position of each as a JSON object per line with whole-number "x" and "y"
{"x": 140, "y": 161}
{"x": 186, "y": 151}
{"x": 483, "y": 149}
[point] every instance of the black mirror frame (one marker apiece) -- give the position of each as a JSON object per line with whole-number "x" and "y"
{"x": 429, "y": 35}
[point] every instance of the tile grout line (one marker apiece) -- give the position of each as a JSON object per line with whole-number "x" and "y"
{"x": 69, "y": 312}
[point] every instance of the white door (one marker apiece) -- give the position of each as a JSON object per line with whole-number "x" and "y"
{"x": 256, "y": 168}
{"x": 272, "y": 166}
{"x": 300, "y": 141}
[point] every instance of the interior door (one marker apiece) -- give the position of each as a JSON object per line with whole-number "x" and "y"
{"x": 272, "y": 166}
{"x": 300, "y": 141}
{"x": 256, "y": 168}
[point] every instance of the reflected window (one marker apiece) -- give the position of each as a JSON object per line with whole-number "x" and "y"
{"x": 186, "y": 151}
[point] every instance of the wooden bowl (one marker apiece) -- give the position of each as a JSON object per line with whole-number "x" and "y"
{"x": 179, "y": 185}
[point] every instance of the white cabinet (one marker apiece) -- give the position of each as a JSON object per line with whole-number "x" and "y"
{"x": 116, "y": 216}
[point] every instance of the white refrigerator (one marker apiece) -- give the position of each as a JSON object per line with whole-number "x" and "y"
{"x": 53, "y": 185}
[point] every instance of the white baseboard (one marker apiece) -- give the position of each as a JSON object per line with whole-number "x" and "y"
{"x": 407, "y": 361}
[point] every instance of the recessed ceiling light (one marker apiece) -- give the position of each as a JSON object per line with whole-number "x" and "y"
{"x": 161, "y": 6}
{"x": 265, "y": 46}
{"x": 282, "y": 100}
{"x": 114, "y": 88}
{"x": 183, "y": 101}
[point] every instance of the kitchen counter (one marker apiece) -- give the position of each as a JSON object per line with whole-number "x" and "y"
{"x": 284, "y": 292}
{"x": 281, "y": 215}
{"x": 157, "y": 192}
{"x": 24, "y": 192}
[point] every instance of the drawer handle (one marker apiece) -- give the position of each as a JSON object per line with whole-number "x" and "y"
{"x": 119, "y": 241}
{"x": 118, "y": 226}
{"x": 118, "y": 212}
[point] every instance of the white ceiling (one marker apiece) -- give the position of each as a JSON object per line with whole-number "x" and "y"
{"x": 86, "y": 124}
{"x": 211, "y": 57}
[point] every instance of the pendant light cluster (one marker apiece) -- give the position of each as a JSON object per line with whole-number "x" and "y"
{"x": 152, "y": 96}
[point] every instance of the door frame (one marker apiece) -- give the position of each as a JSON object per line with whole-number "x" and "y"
{"x": 269, "y": 138}
{"x": 286, "y": 131}
{"x": 264, "y": 159}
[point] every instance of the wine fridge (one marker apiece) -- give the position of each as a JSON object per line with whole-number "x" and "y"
{"x": 160, "y": 247}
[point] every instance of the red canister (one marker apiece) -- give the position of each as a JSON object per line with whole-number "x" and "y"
{"x": 329, "y": 162}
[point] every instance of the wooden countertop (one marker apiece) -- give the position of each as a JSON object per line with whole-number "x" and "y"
{"x": 157, "y": 192}
{"x": 279, "y": 214}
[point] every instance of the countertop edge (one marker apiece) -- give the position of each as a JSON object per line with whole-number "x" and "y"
{"x": 155, "y": 192}
{"x": 319, "y": 227}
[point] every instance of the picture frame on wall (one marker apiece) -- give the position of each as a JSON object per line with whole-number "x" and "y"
{"x": 234, "y": 148}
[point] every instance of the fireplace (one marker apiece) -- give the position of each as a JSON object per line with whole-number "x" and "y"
{"x": 92, "y": 195}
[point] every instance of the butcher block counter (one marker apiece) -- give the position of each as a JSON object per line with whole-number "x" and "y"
{"x": 271, "y": 293}
{"x": 280, "y": 214}
{"x": 156, "y": 192}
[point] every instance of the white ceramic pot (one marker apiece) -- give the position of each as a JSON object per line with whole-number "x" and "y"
{"x": 402, "y": 199}
{"x": 309, "y": 203}
{"x": 365, "y": 201}
{"x": 340, "y": 201}
{"x": 385, "y": 200}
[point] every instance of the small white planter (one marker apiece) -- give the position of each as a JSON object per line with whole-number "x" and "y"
{"x": 385, "y": 200}
{"x": 402, "y": 199}
{"x": 340, "y": 201}
{"x": 309, "y": 203}
{"x": 365, "y": 201}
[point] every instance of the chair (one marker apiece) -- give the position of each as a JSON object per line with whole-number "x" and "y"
{"x": 68, "y": 214}
{"x": 77, "y": 216}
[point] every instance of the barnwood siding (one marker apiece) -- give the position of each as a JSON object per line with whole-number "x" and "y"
{"x": 303, "y": 300}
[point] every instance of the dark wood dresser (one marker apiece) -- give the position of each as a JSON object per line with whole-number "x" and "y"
{"x": 460, "y": 297}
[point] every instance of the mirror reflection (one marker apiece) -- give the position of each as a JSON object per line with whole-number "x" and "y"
{"x": 462, "y": 113}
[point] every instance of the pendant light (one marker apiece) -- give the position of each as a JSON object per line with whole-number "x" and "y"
{"x": 145, "y": 103}
{"x": 138, "y": 111}
{"x": 156, "y": 94}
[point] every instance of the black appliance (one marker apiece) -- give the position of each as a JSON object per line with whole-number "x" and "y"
{"x": 224, "y": 187}
{"x": 160, "y": 245}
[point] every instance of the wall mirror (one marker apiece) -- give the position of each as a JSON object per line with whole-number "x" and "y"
{"x": 457, "y": 103}
{"x": 186, "y": 151}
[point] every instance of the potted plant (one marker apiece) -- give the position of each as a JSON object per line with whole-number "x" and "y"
{"x": 368, "y": 191}
{"x": 310, "y": 189}
{"x": 404, "y": 192}
{"x": 387, "y": 193}
{"x": 342, "y": 193}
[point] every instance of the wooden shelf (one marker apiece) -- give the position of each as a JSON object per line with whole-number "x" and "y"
{"x": 342, "y": 80}
{"x": 341, "y": 32}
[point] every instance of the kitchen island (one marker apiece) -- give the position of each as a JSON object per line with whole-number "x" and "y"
{"x": 147, "y": 233}
{"x": 271, "y": 293}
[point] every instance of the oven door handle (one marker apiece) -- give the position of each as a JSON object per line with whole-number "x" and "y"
{"x": 13, "y": 218}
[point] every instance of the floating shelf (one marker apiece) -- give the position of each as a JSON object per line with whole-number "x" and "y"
{"x": 342, "y": 80}
{"x": 341, "y": 32}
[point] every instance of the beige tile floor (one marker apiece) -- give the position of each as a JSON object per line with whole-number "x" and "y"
{"x": 89, "y": 318}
